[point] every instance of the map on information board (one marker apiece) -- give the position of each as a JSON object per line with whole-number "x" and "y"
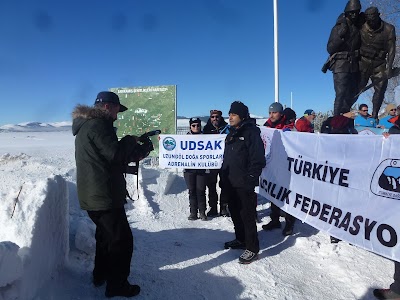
{"x": 149, "y": 108}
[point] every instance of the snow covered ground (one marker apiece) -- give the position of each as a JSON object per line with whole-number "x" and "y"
{"x": 173, "y": 258}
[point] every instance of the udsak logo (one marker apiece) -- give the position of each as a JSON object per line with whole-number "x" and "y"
{"x": 169, "y": 143}
{"x": 386, "y": 179}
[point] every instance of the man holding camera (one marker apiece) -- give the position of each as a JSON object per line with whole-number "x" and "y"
{"x": 101, "y": 162}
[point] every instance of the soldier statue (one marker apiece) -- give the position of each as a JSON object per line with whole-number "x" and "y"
{"x": 378, "y": 49}
{"x": 343, "y": 47}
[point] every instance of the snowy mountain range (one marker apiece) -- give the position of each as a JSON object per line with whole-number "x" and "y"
{"x": 36, "y": 126}
{"x": 66, "y": 125}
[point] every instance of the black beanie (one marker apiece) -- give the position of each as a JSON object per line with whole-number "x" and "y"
{"x": 194, "y": 120}
{"x": 239, "y": 109}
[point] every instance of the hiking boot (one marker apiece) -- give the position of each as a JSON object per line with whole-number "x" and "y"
{"x": 271, "y": 225}
{"x": 386, "y": 294}
{"x": 224, "y": 211}
{"x": 288, "y": 230}
{"x": 203, "y": 216}
{"x": 124, "y": 290}
{"x": 334, "y": 240}
{"x": 192, "y": 217}
{"x": 235, "y": 244}
{"x": 247, "y": 257}
{"x": 98, "y": 281}
{"x": 213, "y": 212}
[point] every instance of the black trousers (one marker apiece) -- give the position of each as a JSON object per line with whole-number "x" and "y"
{"x": 211, "y": 182}
{"x": 114, "y": 245}
{"x": 242, "y": 206}
{"x": 276, "y": 212}
{"x": 395, "y": 286}
{"x": 196, "y": 184}
{"x": 346, "y": 87}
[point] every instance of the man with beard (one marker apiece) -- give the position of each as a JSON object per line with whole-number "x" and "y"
{"x": 278, "y": 120}
{"x": 378, "y": 49}
{"x": 343, "y": 47}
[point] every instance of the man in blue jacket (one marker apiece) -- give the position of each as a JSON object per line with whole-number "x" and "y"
{"x": 364, "y": 118}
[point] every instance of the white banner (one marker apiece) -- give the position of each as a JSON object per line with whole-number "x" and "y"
{"x": 191, "y": 151}
{"x": 345, "y": 185}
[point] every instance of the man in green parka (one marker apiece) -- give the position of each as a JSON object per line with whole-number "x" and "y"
{"x": 101, "y": 162}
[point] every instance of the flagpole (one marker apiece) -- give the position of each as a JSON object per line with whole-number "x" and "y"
{"x": 276, "y": 66}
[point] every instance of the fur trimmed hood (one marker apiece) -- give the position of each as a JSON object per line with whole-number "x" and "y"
{"x": 83, "y": 113}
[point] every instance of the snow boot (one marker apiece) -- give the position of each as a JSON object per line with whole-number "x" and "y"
{"x": 235, "y": 244}
{"x": 271, "y": 225}
{"x": 386, "y": 294}
{"x": 192, "y": 217}
{"x": 203, "y": 216}
{"x": 334, "y": 240}
{"x": 224, "y": 211}
{"x": 248, "y": 257}
{"x": 288, "y": 230}
{"x": 125, "y": 290}
{"x": 98, "y": 281}
{"x": 213, "y": 212}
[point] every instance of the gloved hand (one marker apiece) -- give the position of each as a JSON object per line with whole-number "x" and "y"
{"x": 251, "y": 182}
{"x": 146, "y": 146}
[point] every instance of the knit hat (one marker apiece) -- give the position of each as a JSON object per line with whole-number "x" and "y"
{"x": 389, "y": 107}
{"x": 309, "y": 112}
{"x": 275, "y": 107}
{"x": 109, "y": 97}
{"x": 215, "y": 112}
{"x": 239, "y": 109}
{"x": 289, "y": 113}
{"x": 194, "y": 120}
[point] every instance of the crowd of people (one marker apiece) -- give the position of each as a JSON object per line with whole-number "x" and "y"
{"x": 101, "y": 161}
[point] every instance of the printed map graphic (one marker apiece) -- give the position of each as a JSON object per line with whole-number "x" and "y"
{"x": 149, "y": 108}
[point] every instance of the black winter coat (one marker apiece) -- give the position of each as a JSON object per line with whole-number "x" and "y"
{"x": 244, "y": 156}
{"x": 101, "y": 159}
{"x": 210, "y": 129}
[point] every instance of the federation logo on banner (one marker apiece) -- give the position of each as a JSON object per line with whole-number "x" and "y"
{"x": 267, "y": 145}
{"x": 169, "y": 143}
{"x": 386, "y": 179}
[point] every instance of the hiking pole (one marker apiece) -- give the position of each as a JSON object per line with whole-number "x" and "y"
{"x": 16, "y": 200}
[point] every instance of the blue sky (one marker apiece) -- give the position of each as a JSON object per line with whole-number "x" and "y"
{"x": 55, "y": 54}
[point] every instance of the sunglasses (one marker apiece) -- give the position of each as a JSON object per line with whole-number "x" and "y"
{"x": 195, "y": 125}
{"x": 364, "y": 110}
{"x": 215, "y": 117}
{"x": 393, "y": 109}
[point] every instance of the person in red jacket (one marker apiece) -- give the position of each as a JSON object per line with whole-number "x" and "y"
{"x": 278, "y": 120}
{"x": 305, "y": 123}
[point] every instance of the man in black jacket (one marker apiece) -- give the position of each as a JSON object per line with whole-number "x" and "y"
{"x": 343, "y": 47}
{"x": 244, "y": 159}
{"x": 101, "y": 161}
{"x": 215, "y": 125}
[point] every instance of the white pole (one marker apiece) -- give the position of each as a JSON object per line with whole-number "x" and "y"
{"x": 276, "y": 51}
